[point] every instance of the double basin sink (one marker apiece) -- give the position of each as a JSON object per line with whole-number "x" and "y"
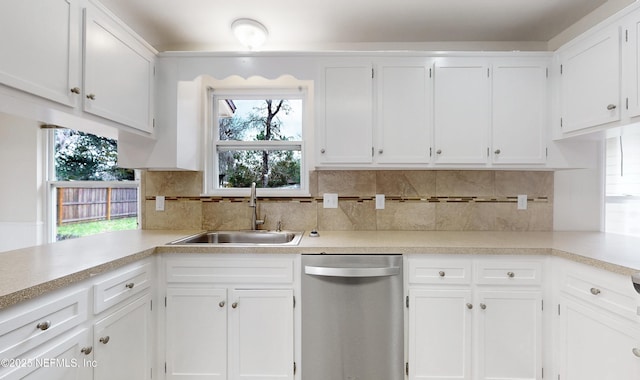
{"x": 244, "y": 238}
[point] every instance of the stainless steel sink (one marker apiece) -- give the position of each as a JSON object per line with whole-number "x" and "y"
{"x": 257, "y": 237}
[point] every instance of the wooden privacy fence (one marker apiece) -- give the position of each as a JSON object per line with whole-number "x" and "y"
{"x": 91, "y": 204}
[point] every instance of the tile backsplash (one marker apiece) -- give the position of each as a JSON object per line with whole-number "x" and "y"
{"x": 423, "y": 200}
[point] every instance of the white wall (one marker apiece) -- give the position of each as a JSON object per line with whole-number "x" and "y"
{"x": 22, "y": 211}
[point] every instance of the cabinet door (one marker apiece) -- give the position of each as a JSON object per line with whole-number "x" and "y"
{"x": 404, "y": 110}
{"x": 590, "y": 81}
{"x": 595, "y": 345}
{"x": 40, "y": 47}
{"x": 439, "y": 334}
{"x": 261, "y": 334}
{"x": 509, "y": 335}
{"x": 65, "y": 358}
{"x": 519, "y": 112}
{"x": 196, "y": 333}
{"x": 121, "y": 341}
{"x": 118, "y": 73}
{"x": 346, "y": 126}
{"x": 461, "y": 111}
{"x": 631, "y": 66}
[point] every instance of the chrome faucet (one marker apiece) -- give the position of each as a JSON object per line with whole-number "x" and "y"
{"x": 253, "y": 202}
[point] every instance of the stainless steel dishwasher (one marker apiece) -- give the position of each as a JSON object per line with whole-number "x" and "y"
{"x": 352, "y": 317}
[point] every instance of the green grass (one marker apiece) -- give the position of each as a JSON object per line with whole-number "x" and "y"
{"x": 71, "y": 231}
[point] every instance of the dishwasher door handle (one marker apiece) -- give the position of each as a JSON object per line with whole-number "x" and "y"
{"x": 351, "y": 272}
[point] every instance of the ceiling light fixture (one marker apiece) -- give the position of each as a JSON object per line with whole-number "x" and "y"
{"x": 249, "y": 32}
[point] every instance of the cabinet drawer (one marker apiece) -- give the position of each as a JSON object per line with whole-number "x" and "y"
{"x": 229, "y": 271}
{"x": 493, "y": 272}
{"x": 121, "y": 285}
{"x": 610, "y": 291}
{"x": 34, "y": 322}
{"x": 436, "y": 271}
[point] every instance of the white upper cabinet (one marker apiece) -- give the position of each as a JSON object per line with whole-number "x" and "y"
{"x": 461, "y": 111}
{"x": 631, "y": 65}
{"x": 403, "y": 111}
{"x": 590, "y": 81}
{"x": 118, "y": 73}
{"x": 41, "y": 48}
{"x": 47, "y": 50}
{"x": 346, "y": 113}
{"x": 519, "y": 112}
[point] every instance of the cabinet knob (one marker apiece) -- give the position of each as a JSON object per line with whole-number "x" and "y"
{"x": 86, "y": 350}
{"x": 611, "y": 107}
{"x": 511, "y": 274}
{"x": 380, "y": 151}
{"x": 44, "y": 325}
{"x": 91, "y": 96}
{"x": 441, "y": 273}
{"x": 595, "y": 291}
{"x": 439, "y": 151}
{"x": 483, "y": 306}
{"x": 104, "y": 339}
{"x": 222, "y": 303}
{"x": 130, "y": 285}
{"x": 497, "y": 151}
{"x": 75, "y": 90}
{"x": 322, "y": 150}
{"x": 636, "y": 352}
{"x": 234, "y": 305}
{"x": 469, "y": 306}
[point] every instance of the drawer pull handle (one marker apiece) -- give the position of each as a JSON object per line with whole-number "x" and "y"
{"x": 511, "y": 274}
{"x": 469, "y": 306}
{"x": 221, "y": 304}
{"x": 611, "y": 107}
{"x": 234, "y": 305}
{"x": 86, "y": 350}
{"x": 44, "y": 325}
{"x": 595, "y": 291}
{"x": 130, "y": 285}
{"x": 104, "y": 339}
{"x": 483, "y": 306}
{"x": 441, "y": 273}
{"x": 636, "y": 352}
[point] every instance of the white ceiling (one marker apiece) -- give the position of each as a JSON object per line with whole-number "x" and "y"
{"x": 336, "y": 24}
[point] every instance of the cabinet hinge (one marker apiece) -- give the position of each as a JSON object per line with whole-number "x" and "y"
{"x": 626, "y": 35}
{"x": 372, "y": 76}
{"x": 372, "y": 149}
{"x": 154, "y": 71}
{"x": 151, "y": 372}
{"x": 542, "y": 375}
{"x": 546, "y": 152}
{"x": 165, "y": 301}
{"x": 295, "y": 368}
{"x": 558, "y": 309}
{"x": 406, "y": 368}
{"x": 561, "y": 69}
{"x": 294, "y": 302}
{"x": 154, "y": 122}
{"x": 487, "y": 72}
{"x": 165, "y": 367}
{"x": 627, "y": 103}
{"x": 406, "y": 301}
{"x": 430, "y": 75}
{"x": 560, "y": 122}
{"x": 430, "y": 152}
{"x": 547, "y": 72}
{"x": 151, "y": 303}
{"x": 542, "y": 304}
{"x": 487, "y": 151}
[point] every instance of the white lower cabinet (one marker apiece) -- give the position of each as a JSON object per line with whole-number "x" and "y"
{"x": 122, "y": 345}
{"x": 461, "y": 329}
{"x": 230, "y": 318}
{"x": 598, "y": 323}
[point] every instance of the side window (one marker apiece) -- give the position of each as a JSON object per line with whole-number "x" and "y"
{"x": 89, "y": 193}
{"x": 622, "y": 192}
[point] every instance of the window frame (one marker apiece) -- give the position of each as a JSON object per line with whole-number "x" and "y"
{"x": 213, "y": 142}
{"x": 52, "y": 184}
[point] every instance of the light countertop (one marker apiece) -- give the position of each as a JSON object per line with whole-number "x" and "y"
{"x": 29, "y": 272}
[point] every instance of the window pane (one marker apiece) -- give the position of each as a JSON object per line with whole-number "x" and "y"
{"x": 267, "y": 168}
{"x": 260, "y": 120}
